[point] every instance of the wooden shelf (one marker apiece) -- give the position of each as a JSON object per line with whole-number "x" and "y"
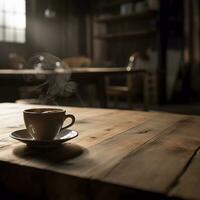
{"x": 127, "y": 34}
{"x": 114, "y": 30}
{"x": 145, "y": 14}
{"x": 116, "y": 3}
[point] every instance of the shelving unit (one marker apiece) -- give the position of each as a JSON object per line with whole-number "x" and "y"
{"x": 115, "y": 4}
{"x": 113, "y": 30}
{"x": 142, "y": 33}
{"x": 132, "y": 16}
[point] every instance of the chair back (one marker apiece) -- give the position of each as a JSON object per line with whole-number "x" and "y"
{"x": 77, "y": 61}
{"x": 16, "y": 61}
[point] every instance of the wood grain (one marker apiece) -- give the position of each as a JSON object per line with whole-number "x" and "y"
{"x": 188, "y": 185}
{"x": 157, "y": 160}
{"x": 121, "y": 154}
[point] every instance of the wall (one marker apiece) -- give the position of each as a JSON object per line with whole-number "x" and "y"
{"x": 44, "y": 34}
{"x": 62, "y": 36}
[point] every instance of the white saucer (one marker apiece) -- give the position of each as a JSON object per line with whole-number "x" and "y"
{"x": 63, "y": 136}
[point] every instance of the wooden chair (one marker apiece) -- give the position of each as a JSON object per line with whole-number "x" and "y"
{"x": 135, "y": 83}
{"x": 150, "y": 89}
{"x": 16, "y": 61}
{"x": 138, "y": 86}
{"x": 77, "y": 61}
{"x": 131, "y": 89}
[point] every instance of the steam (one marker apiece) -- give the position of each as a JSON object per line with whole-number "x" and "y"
{"x": 54, "y": 86}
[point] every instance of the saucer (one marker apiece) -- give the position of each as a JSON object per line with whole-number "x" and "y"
{"x": 63, "y": 136}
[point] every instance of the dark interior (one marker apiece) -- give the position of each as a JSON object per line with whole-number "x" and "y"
{"x": 108, "y": 33}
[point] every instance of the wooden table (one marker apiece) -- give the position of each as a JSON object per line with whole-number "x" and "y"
{"x": 95, "y": 75}
{"x": 76, "y": 70}
{"x": 119, "y": 154}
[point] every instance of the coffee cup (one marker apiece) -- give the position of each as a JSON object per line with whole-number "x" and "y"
{"x": 46, "y": 123}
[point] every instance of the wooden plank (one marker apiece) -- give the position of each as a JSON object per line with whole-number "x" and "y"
{"x": 187, "y": 186}
{"x": 85, "y": 70}
{"x": 156, "y": 166}
{"x": 112, "y": 151}
{"x": 12, "y": 118}
{"x": 14, "y": 113}
{"x": 117, "y": 123}
{"x": 145, "y": 14}
{"x": 141, "y": 33}
{"x": 113, "y": 4}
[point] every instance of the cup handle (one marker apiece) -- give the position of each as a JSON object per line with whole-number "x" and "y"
{"x": 72, "y": 122}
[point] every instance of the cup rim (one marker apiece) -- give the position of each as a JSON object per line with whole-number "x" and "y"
{"x": 33, "y": 111}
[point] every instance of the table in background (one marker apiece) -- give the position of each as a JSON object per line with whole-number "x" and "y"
{"x": 84, "y": 75}
{"x": 118, "y": 155}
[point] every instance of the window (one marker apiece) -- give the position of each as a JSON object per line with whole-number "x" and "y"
{"x": 13, "y": 21}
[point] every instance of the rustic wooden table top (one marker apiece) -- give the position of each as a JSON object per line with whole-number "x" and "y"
{"x": 76, "y": 70}
{"x": 95, "y": 75}
{"x": 119, "y": 154}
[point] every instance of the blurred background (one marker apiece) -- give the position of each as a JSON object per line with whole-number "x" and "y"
{"x": 160, "y": 37}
